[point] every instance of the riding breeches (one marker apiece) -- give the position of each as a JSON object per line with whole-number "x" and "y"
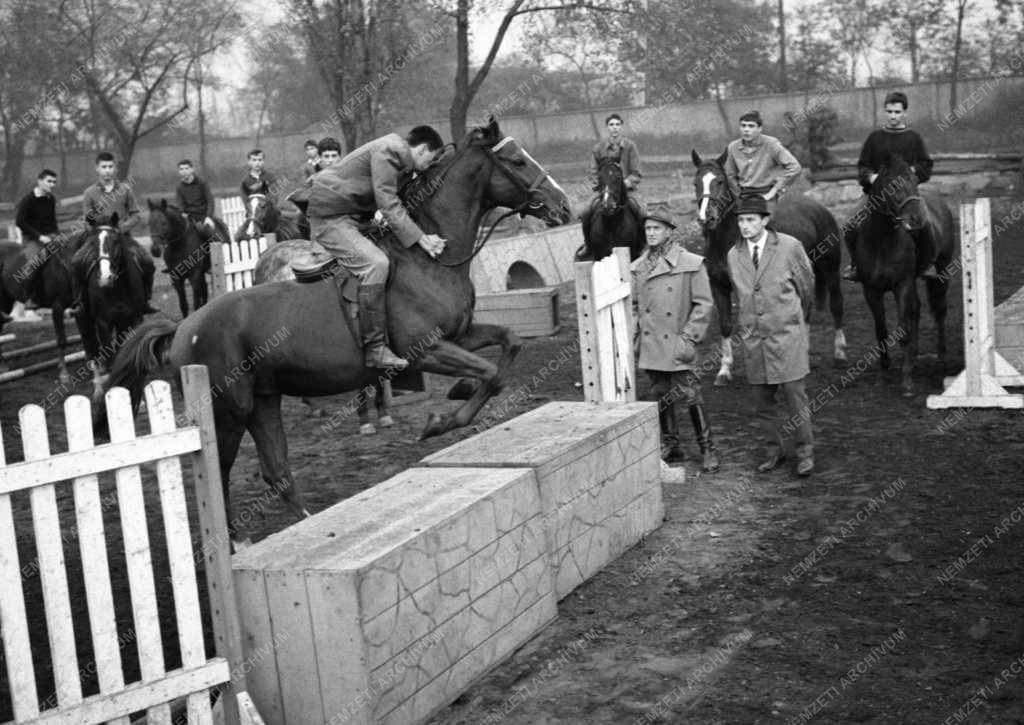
{"x": 342, "y": 238}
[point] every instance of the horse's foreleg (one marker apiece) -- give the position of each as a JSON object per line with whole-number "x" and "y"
{"x": 57, "y": 313}
{"x": 835, "y": 303}
{"x": 910, "y": 317}
{"x": 937, "y": 302}
{"x": 722, "y": 296}
{"x": 179, "y": 287}
{"x": 198, "y": 283}
{"x": 876, "y": 303}
{"x": 267, "y": 432}
{"x": 477, "y": 337}
{"x": 447, "y": 358}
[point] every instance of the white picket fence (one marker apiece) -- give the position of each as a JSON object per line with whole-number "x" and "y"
{"x": 232, "y": 212}
{"x": 41, "y": 473}
{"x": 605, "y": 311}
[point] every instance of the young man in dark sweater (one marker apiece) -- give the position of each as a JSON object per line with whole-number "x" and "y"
{"x": 194, "y": 197}
{"x": 893, "y": 138}
{"x": 37, "y": 219}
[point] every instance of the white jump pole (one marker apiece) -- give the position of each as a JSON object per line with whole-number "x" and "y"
{"x": 980, "y": 385}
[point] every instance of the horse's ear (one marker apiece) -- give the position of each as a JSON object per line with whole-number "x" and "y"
{"x": 163, "y": 204}
{"x": 722, "y": 157}
{"x": 696, "y": 158}
{"x": 492, "y": 128}
{"x": 150, "y": 203}
{"x": 114, "y": 219}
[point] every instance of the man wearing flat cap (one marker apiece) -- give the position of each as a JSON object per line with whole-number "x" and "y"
{"x": 774, "y": 283}
{"x": 673, "y": 301}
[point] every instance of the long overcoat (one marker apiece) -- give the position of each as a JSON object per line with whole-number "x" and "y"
{"x": 673, "y": 307}
{"x": 774, "y": 302}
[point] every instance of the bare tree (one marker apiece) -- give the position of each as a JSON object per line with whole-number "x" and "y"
{"x": 910, "y": 23}
{"x": 855, "y": 25}
{"x": 137, "y": 59}
{"x": 958, "y": 40}
{"x": 466, "y": 87}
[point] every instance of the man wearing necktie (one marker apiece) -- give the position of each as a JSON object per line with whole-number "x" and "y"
{"x": 775, "y": 286}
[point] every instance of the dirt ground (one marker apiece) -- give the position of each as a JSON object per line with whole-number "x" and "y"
{"x": 883, "y": 589}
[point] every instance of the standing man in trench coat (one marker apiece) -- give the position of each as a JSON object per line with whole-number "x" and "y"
{"x": 775, "y": 286}
{"x": 673, "y": 299}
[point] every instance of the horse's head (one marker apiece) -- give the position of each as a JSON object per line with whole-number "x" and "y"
{"x": 895, "y": 194}
{"x": 714, "y": 198}
{"x": 109, "y": 241}
{"x": 612, "y": 185}
{"x": 161, "y": 225}
{"x": 261, "y": 214}
{"x": 512, "y": 178}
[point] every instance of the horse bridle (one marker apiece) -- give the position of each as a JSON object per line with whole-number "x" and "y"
{"x": 897, "y": 218}
{"x": 528, "y": 189}
{"x": 722, "y": 209}
{"x": 100, "y": 253}
{"x": 625, "y": 197}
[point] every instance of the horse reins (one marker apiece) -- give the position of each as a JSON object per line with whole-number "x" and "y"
{"x": 529, "y": 190}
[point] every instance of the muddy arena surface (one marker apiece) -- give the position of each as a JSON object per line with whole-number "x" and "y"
{"x": 886, "y": 588}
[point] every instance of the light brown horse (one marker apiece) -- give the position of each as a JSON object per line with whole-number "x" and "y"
{"x": 286, "y": 338}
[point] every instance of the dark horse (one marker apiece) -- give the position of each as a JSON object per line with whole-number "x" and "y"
{"x": 52, "y": 287}
{"x": 186, "y": 254}
{"x": 887, "y": 257}
{"x": 286, "y": 338}
{"x": 275, "y": 265}
{"x": 614, "y": 221}
{"x": 797, "y": 216}
{"x": 264, "y": 216}
{"x": 113, "y": 301}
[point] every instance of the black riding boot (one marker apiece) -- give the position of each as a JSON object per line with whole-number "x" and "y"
{"x": 926, "y": 251}
{"x": 702, "y": 428}
{"x": 373, "y": 320}
{"x": 671, "y": 451}
{"x": 583, "y": 253}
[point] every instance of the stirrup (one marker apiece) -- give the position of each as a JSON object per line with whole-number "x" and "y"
{"x": 930, "y": 272}
{"x": 851, "y": 273}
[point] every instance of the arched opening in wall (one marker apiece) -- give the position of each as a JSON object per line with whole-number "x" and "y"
{"x": 523, "y": 276}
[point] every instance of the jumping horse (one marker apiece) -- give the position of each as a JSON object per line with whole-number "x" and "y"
{"x": 52, "y": 288}
{"x": 796, "y": 215}
{"x": 315, "y": 349}
{"x": 186, "y": 254}
{"x": 113, "y": 301}
{"x": 614, "y": 221}
{"x": 264, "y": 216}
{"x": 888, "y": 259}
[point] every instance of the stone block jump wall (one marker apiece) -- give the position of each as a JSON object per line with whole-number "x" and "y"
{"x": 387, "y": 606}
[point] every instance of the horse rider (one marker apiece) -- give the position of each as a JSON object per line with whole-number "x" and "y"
{"x": 673, "y": 300}
{"x": 37, "y": 219}
{"x": 311, "y": 164}
{"x": 328, "y": 151}
{"x": 757, "y": 163}
{"x": 342, "y": 200}
{"x": 892, "y": 138}
{"x": 623, "y": 150}
{"x": 100, "y": 201}
{"x": 195, "y": 199}
{"x": 257, "y": 180}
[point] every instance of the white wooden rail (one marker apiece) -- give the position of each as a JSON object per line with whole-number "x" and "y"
{"x": 232, "y": 263}
{"x": 44, "y": 475}
{"x": 980, "y": 385}
{"x": 604, "y": 308}
{"x": 232, "y": 211}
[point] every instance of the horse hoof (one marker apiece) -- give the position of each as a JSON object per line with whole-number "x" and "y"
{"x": 433, "y": 427}
{"x": 367, "y": 429}
{"x": 386, "y": 421}
{"x": 721, "y": 379}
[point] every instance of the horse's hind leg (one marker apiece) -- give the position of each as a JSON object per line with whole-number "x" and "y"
{"x": 267, "y": 430}
{"x": 380, "y": 401}
{"x": 57, "y": 313}
{"x": 366, "y": 426}
{"x": 230, "y": 429}
{"x": 835, "y": 304}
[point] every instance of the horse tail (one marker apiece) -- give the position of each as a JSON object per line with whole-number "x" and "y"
{"x": 142, "y": 354}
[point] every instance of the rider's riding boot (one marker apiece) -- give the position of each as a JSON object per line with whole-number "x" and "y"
{"x": 583, "y": 253}
{"x": 373, "y": 319}
{"x": 702, "y": 428}
{"x": 148, "y": 272}
{"x": 671, "y": 451}
{"x": 76, "y": 294}
{"x": 927, "y": 251}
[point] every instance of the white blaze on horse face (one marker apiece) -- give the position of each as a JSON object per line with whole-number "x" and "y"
{"x": 106, "y": 278}
{"x": 548, "y": 176}
{"x": 702, "y": 210}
